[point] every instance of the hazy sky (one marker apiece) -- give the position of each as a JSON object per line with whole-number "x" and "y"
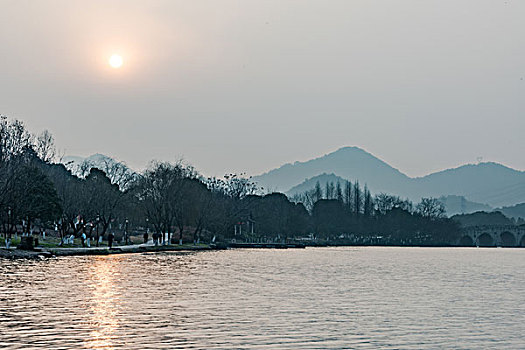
{"x": 249, "y": 85}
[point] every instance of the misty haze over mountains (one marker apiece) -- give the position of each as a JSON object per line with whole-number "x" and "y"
{"x": 467, "y": 188}
{"x": 485, "y": 183}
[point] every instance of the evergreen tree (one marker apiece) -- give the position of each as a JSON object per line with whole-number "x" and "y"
{"x": 338, "y": 192}
{"x": 318, "y": 192}
{"x": 348, "y": 197}
{"x": 368, "y": 205}
{"x": 358, "y": 198}
{"x": 330, "y": 190}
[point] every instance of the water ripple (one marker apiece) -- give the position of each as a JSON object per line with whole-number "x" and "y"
{"x": 323, "y": 298}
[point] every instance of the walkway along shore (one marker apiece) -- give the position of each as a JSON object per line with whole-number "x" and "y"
{"x": 127, "y": 249}
{"x": 40, "y": 252}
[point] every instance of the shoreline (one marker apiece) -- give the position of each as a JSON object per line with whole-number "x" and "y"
{"x": 39, "y": 253}
{"x": 42, "y": 253}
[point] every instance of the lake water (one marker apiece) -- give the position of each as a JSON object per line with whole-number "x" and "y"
{"x": 315, "y": 298}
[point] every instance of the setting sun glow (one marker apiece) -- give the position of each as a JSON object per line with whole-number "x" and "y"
{"x": 115, "y": 61}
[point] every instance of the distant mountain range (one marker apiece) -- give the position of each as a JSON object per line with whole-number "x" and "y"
{"x": 466, "y": 189}
{"x": 460, "y": 205}
{"x": 516, "y": 211}
{"x": 492, "y": 184}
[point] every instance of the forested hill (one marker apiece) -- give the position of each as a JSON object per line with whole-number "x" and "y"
{"x": 310, "y": 183}
{"x": 489, "y": 183}
{"x": 486, "y": 183}
{"x": 349, "y": 163}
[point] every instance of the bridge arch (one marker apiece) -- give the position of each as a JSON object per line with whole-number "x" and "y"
{"x": 466, "y": 241}
{"x": 485, "y": 240}
{"x": 507, "y": 239}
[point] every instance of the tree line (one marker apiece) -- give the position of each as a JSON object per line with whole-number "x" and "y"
{"x": 350, "y": 213}
{"x": 38, "y": 192}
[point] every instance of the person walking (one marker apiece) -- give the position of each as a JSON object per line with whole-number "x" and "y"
{"x": 110, "y": 240}
{"x": 146, "y": 236}
{"x": 8, "y": 241}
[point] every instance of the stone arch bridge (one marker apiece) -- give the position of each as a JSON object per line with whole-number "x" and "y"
{"x": 493, "y": 236}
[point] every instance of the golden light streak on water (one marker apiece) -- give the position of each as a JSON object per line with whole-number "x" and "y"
{"x": 104, "y": 304}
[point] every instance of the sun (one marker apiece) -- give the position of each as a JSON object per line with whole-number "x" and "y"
{"x": 116, "y": 61}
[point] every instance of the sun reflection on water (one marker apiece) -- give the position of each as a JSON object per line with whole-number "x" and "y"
{"x": 104, "y": 304}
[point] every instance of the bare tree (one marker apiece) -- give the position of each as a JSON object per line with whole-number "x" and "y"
{"x": 15, "y": 152}
{"x": 202, "y": 201}
{"x": 118, "y": 172}
{"x": 235, "y": 186}
{"x": 44, "y": 146}
{"x": 383, "y": 203}
{"x": 15, "y": 140}
{"x": 431, "y": 208}
{"x": 160, "y": 192}
{"x": 103, "y": 198}
{"x": 306, "y": 198}
{"x": 72, "y": 194}
{"x": 233, "y": 198}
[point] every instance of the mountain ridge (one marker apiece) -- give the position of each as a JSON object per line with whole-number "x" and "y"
{"x": 488, "y": 183}
{"x": 319, "y": 165}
